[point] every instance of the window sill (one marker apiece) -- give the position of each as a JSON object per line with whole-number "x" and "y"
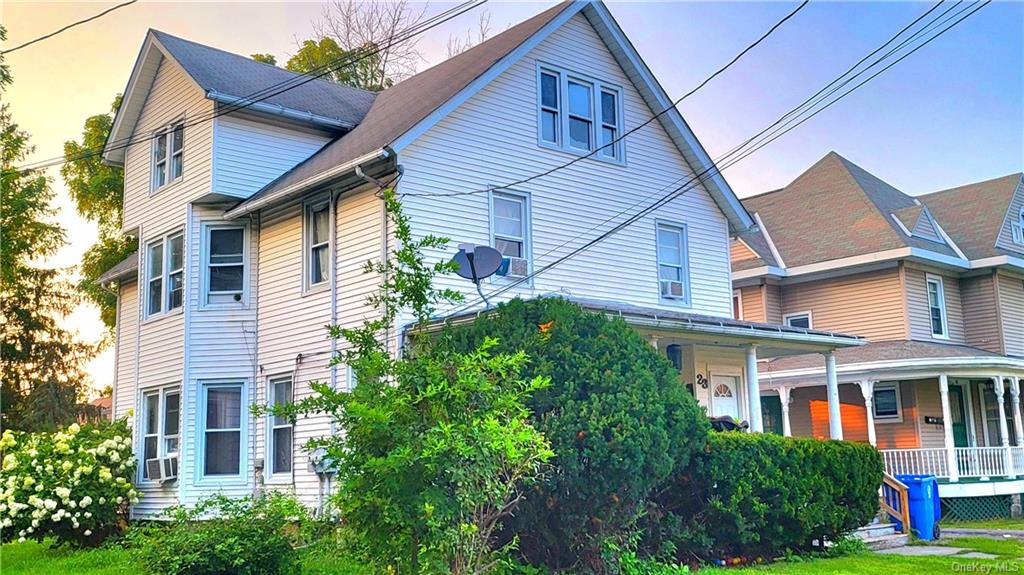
{"x": 576, "y": 153}
{"x": 154, "y": 191}
{"x": 239, "y": 306}
{"x": 220, "y": 480}
{"x": 677, "y": 302}
{"x": 881, "y": 420}
{"x": 320, "y": 288}
{"x": 158, "y": 316}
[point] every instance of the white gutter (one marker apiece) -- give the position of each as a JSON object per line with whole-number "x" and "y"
{"x": 278, "y": 110}
{"x": 998, "y": 261}
{"x": 876, "y": 257}
{"x": 253, "y": 205}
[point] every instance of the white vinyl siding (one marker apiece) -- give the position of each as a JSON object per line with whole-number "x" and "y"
{"x": 578, "y": 113}
{"x": 937, "y": 307}
{"x": 673, "y": 263}
{"x": 468, "y": 150}
{"x": 919, "y": 308}
{"x": 249, "y": 153}
{"x": 1011, "y": 232}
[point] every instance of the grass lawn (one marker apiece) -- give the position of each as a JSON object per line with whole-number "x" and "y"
{"x": 986, "y": 524}
{"x": 32, "y": 558}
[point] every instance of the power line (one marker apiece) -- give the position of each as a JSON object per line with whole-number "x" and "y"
{"x": 635, "y": 128}
{"x": 679, "y": 191}
{"x": 281, "y": 87}
{"x": 69, "y": 26}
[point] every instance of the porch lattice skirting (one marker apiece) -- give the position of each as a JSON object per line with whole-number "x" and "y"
{"x": 976, "y": 508}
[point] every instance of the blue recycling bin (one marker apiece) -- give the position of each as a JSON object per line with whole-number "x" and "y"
{"x": 925, "y": 510}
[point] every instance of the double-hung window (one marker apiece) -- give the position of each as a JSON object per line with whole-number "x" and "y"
{"x": 510, "y": 230}
{"x": 225, "y": 264}
{"x": 937, "y": 307}
{"x": 318, "y": 243}
{"x": 168, "y": 155}
{"x": 165, "y": 267}
{"x": 673, "y": 267}
{"x": 280, "y": 390}
{"x": 579, "y": 114}
{"x": 161, "y": 413}
{"x": 222, "y": 420}
{"x": 1018, "y": 228}
{"x": 886, "y": 403}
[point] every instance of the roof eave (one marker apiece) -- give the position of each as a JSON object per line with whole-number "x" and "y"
{"x": 278, "y": 110}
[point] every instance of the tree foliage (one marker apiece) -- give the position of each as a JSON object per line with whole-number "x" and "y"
{"x": 618, "y": 419}
{"x": 435, "y": 448}
{"x": 97, "y": 190}
{"x": 41, "y": 363}
{"x": 265, "y": 58}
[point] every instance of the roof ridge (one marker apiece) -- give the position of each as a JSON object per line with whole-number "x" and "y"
{"x": 1017, "y": 175}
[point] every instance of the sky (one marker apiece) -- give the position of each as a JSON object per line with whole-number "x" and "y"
{"x": 950, "y": 114}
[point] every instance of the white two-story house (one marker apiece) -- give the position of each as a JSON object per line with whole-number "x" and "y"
{"x": 254, "y": 223}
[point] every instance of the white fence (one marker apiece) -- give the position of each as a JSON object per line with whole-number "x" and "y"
{"x": 972, "y": 462}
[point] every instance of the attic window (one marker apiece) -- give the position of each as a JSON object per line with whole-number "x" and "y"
{"x": 579, "y": 114}
{"x": 1018, "y": 228}
{"x": 168, "y": 155}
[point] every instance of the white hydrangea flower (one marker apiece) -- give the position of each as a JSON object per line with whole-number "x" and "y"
{"x": 74, "y": 428}
{"x": 56, "y": 517}
{"x": 39, "y": 487}
{"x": 50, "y": 504}
{"x": 28, "y": 482}
{"x": 35, "y": 523}
{"x": 21, "y": 539}
{"x": 72, "y": 504}
{"x": 87, "y": 532}
{"x": 103, "y": 500}
{"x": 67, "y": 465}
{"x": 88, "y": 514}
{"x": 86, "y": 501}
{"x": 62, "y": 492}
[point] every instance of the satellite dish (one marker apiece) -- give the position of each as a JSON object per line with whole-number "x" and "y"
{"x": 476, "y": 263}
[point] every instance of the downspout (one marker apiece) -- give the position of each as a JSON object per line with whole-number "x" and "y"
{"x": 258, "y": 477}
{"x": 384, "y": 231}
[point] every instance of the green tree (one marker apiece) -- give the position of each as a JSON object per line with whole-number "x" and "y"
{"x": 265, "y": 58}
{"x": 97, "y": 190}
{"x": 358, "y": 67}
{"x": 41, "y": 363}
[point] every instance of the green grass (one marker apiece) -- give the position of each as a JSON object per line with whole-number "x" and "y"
{"x": 860, "y": 564}
{"x": 1005, "y": 548}
{"x": 997, "y": 523}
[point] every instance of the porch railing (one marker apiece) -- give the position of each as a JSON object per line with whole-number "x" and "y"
{"x": 893, "y": 500}
{"x": 971, "y": 462}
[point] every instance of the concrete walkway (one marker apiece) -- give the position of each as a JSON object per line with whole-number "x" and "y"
{"x": 936, "y": 550}
{"x": 990, "y": 533}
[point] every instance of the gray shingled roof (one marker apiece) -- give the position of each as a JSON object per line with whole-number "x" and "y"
{"x": 126, "y": 268}
{"x": 973, "y": 215}
{"x": 402, "y": 106}
{"x": 833, "y": 210}
{"x": 233, "y": 75}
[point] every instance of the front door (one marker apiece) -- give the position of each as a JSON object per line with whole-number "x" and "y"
{"x": 958, "y": 411}
{"x": 723, "y": 396}
{"x": 771, "y": 413}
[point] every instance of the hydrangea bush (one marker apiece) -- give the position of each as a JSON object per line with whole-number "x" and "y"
{"x": 74, "y": 485}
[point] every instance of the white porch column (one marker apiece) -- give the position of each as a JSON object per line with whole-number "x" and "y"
{"x": 867, "y": 389}
{"x": 835, "y": 421}
{"x": 784, "y": 399}
{"x": 654, "y": 341}
{"x": 753, "y": 390}
{"x": 947, "y": 428}
{"x": 1018, "y": 425}
{"x": 1004, "y": 431}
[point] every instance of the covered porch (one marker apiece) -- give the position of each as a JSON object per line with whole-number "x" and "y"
{"x": 944, "y": 410}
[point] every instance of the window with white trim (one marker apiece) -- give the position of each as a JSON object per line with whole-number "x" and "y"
{"x": 673, "y": 267}
{"x": 937, "y": 307}
{"x": 161, "y": 410}
{"x": 579, "y": 114}
{"x": 221, "y": 429}
{"x": 225, "y": 265}
{"x": 886, "y": 403}
{"x": 1018, "y": 228}
{"x": 737, "y": 304}
{"x": 168, "y": 155}
{"x": 509, "y": 224}
{"x": 280, "y": 450}
{"x": 801, "y": 320}
{"x": 318, "y": 244}
{"x": 165, "y": 267}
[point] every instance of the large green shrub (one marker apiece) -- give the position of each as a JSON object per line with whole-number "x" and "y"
{"x": 73, "y": 485}
{"x": 617, "y": 417}
{"x": 762, "y": 494}
{"x": 223, "y": 536}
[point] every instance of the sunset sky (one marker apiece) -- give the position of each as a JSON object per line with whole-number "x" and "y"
{"x": 950, "y": 114}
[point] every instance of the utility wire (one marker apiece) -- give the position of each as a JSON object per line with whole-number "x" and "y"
{"x": 679, "y": 191}
{"x": 615, "y": 141}
{"x": 279, "y": 88}
{"x": 69, "y": 26}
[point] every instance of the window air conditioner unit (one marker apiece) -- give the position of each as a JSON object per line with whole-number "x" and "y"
{"x": 162, "y": 469}
{"x": 513, "y": 267}
{"x": 672, "y": 289}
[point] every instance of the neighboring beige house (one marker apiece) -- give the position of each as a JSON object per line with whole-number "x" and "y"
{"x": 255, "y": 222}
{"x": 935, "y": 283}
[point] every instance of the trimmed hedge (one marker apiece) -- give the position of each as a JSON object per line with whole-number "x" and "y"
{"x": 762, "y": 494}
{"x": 617, "y": 417}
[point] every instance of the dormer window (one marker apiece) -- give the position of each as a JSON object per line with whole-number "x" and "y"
{"x": 579, "y": 114}
{"x": 1018, "y": 228}
{"x": 168, "y": 155}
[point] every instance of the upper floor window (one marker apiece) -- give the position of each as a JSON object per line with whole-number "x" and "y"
{"x": 280, "y": 390}
{"x": 222, "y": 429}
{"x": 802, "y": 319}
{"x": 225, "y": 264}
{"x": 737, "y": 304}
{"x": 318, "y": 242}
{"x": 937, "y": 307}
{"x": 673, "y": 265}
{"x": 165, "y": 265}
{"x": 168, "y": 155}
{"x": 510, "y": 231}
{"x": 579, "y": 114}
{"x": 1018, "y": 228}
{"x": 161, "y": 410}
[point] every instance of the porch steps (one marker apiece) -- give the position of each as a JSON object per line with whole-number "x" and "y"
{"x": 881, "y": 536}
